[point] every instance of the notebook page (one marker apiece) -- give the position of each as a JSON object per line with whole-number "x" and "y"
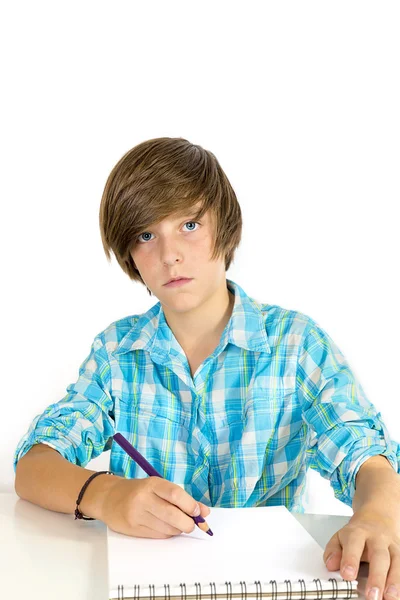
{"x": 249, "y": 544}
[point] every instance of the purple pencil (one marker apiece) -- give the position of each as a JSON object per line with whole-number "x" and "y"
{"x": 147, "y": 468}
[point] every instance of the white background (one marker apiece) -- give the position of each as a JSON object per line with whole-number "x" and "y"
{"x": 299, "y": 101}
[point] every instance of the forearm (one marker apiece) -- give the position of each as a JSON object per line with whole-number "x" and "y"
{"x": 377, "y": 485}
{"x": 47, "y": 479}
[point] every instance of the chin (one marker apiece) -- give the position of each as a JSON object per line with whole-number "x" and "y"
{"x": 181, "y": 304}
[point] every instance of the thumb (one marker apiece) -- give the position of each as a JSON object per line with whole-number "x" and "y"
{"x": 333, "y": 553}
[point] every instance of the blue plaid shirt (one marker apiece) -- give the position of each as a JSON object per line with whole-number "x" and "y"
{"x": 274, "y": 398}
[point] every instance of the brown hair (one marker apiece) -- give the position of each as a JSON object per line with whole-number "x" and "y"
{"x": 162, "y": 177}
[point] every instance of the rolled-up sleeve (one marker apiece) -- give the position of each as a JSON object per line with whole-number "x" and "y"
{"x": 80, "y": 425}
{"x": 346, "y": 427}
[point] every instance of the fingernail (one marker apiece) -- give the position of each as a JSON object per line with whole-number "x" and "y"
{"x": 349, "y": 571}
{"x": 329, "y": 558}
{"x": 392, "y": 591}
{"x": 196, "y": 511}
{"x": 373, "y": 594}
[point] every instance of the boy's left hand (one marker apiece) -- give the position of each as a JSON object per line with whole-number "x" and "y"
{"x": 372, "y": 535}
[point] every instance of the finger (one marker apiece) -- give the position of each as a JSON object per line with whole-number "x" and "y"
{"x": 160, "y": 526}
{"x": 393, "y": 578}
{"x": 148, "y": 532}
{"x": 352, "y": 549}
{"x": 174, "y": 494}
{"x": 333, "y": 553}
{"x": 170, "y": 514}
{"x": 379, "y": 564}
{"x": 205, "y": 510}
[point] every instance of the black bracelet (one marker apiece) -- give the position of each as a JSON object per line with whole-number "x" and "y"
{"x": 78, "y": 514}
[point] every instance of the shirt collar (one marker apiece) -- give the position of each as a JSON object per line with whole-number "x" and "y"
{"x": 245, "y": 328}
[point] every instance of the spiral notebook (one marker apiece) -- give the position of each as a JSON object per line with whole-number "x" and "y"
{"x": 254, "y": 553}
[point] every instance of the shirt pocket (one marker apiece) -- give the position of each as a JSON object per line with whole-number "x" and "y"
{"x": 160, "y": 411}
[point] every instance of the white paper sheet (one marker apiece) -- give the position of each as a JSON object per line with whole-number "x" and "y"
{"x": 248, "y": 544}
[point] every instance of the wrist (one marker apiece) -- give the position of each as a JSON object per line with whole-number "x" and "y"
{"x": 377, "y": 491}
{"x": 94, "y": 496}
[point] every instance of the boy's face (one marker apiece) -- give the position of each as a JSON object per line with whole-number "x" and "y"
{"x": 180, "y": 247}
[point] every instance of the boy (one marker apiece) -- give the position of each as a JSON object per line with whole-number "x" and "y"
{"x": 228, "y": 397}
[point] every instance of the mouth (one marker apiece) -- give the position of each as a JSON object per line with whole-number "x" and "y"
{"x": 177, "y": 282}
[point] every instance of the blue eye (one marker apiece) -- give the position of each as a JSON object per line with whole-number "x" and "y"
{"x": 148, "y": 232}
{"x": 192, "y": 222}
{"x": 145, "y": 233}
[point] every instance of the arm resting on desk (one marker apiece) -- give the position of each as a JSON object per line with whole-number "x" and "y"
{"x": 47, "y": 479}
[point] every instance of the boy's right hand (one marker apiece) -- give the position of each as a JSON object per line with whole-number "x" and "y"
{"x": 152, "y": 507}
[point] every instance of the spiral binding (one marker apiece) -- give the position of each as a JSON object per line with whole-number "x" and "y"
{"x": 243, "y": 591}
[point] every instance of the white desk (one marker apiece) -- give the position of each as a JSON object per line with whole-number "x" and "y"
{"x": 46, "y": 555}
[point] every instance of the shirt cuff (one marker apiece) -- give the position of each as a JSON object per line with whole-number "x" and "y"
{"x": 62, "y": 446}
{"x": 344, "y": 478}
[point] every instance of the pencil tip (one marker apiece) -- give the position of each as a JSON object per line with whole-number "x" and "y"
{"x": 210, "y": 532}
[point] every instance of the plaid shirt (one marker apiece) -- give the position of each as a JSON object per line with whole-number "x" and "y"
{"x": 274, "y": 398}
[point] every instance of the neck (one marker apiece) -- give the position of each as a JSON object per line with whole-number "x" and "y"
{"x": 205, "y": 324}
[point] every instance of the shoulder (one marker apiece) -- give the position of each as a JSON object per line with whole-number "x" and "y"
{"x": 110, "y": 337}
{"x": 282, "y": 322}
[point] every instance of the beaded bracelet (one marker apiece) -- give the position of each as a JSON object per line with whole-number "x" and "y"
{"x": 78, "y": 514}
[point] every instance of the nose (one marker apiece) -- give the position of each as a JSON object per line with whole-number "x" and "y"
{"x": 170, "y": 252}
